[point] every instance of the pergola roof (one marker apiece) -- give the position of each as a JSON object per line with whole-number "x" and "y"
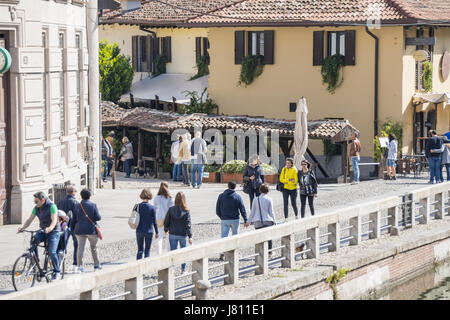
{"x": 165, "y": 122}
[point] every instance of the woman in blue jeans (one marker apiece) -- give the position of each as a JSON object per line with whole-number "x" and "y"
{"x": 178, "y": 225}
{"x": 147, "y": 225}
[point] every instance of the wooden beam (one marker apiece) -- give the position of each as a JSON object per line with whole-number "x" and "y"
{"x": 158, "y": 153}
{"x": 322, "y": 169}
{"x": 430, "y": 41}
{"x": 344, "y": 160}
{"x": 290, "y": 146}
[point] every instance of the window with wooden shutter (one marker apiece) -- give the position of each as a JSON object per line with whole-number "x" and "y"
{"x": 255, "y": 43}
{"x": 239, "y": 49}
{"x": 198, "y": 48}
{"x": 318, "y": 47}
{"x": 134, "y": 52}
{"x": 268, "y": 45}
{"x": 167, "y": 49}
{"x": 148, "y": 52}
{"x": 350, "y": 47}
{"x": 205, "y": 43}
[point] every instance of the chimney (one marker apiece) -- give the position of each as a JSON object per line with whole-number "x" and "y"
{"x": 128, "y": 5}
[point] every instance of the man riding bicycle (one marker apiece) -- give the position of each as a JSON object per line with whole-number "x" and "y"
{"x": 47, "y": 213}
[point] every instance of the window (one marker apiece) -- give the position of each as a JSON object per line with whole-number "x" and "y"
{"x": 44, "y": 88}
{"x": 146, "y": 48}
{"x": 254, "y": 43}
{"x": 201, "y": 48}
{"x": 79, "y": 95}
{"x": 62, "y": 89}
{"x": 292, "y": 106}
{"x": 338, "y": 42}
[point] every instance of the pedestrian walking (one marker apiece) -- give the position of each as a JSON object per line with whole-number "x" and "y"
{"x": 178, "y": 225}
{"x": 289, "y": 179}
{"x": 147, "y": 225}
{"x": 174, "y": 151}
{"x": 445, "y": 158}
{"x": 84, "y": 221}
{"x": 163, "y": 201}
{"x": 262, "y": 215}
{"x": 252, "y": 178}
{"x": 198, "y": 153}
{"x": 126, "y": 155}
{"x": 229, "y": 206}
{"x": 107, "y": 156}
{"x": 392, "y": 157}
{"x": 70, "y": 205}
{"x": 355, "y": 149}
{"x": 111, "y": 161}
{"x": 433, "y": 153}
{"x": 185, "y": 156}
{"x": 308, "y": 187}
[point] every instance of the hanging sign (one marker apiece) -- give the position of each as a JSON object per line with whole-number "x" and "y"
{"x": 445, "y": 66}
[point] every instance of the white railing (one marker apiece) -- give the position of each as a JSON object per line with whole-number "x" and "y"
{"x": 428, "y": 202}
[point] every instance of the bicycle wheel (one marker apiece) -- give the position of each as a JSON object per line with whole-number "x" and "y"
{"x": 24, "y": 272}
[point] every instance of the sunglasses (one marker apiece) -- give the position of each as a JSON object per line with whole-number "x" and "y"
{"x": 304, "y": 164}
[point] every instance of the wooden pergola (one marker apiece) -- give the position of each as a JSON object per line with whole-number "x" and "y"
{"x": 338, "y": 131}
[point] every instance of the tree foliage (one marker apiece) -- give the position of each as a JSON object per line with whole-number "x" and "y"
{"x": 116, "y": 72}
{"x": 390, "y": 126}
{"x": 199, "y": 103}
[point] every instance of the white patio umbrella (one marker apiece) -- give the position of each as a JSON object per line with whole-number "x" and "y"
{"x": 301, "y": 132}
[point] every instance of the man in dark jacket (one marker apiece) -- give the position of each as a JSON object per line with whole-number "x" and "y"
{"x": 228, "y": 206}
{"x": 434, "y": 158}
{"x": 69, "y": 205}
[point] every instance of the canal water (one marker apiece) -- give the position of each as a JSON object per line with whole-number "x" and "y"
{"x": 433, "y": 284}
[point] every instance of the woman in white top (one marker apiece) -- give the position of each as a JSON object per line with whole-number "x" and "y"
{"x": 392, "y": 156}
{"x": 162, "y": 203}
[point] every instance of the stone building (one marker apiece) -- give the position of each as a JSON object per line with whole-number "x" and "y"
{"x": 44, "y": 113}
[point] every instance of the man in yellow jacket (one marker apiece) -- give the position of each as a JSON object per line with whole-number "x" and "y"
{"x": 289, "y": 178}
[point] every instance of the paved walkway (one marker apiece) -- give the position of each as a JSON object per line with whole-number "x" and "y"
{"x": 115, "y": 206}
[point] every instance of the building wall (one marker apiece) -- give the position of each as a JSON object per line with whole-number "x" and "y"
{"x": 40, "y": 160}
{"x": 293, "y": 75}
{"x": 442, "y": 36}
{"x": 183, "y": 45}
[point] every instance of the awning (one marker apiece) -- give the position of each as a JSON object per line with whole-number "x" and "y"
{"x": 432, "y": 97}
{"x": 167, "y": 86}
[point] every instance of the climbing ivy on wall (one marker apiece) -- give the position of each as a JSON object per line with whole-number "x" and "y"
{"x": 331, "y": 71}
{"x": 252, "y": 67}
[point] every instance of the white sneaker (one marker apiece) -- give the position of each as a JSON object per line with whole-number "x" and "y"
{"x": 56, "y": 277}
{"x": 296, "y": 217}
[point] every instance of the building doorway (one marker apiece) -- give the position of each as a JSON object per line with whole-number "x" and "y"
{"x": 424, "y": 121}
{"x": 5, "y": 138}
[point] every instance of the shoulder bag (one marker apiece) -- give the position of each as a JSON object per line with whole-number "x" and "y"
{"x": 263, "y": 223}
{"x": 280, "y": 185}
{"x": 96, "y": 226}
{"x": 133, "y": 220}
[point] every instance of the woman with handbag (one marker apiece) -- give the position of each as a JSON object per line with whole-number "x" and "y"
{"x": 178, "y": 225}
{"x": 162, "y": 203}
{"x": 85, "y": 228}
{"x": 262, "y": 215}
{"x": 252, "y": 178}
{"x": 147, "y": 225}
{"x": 289, "y": 179}
{"x": 308, "y": 187}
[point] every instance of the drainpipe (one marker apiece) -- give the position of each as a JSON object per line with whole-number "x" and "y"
{"x": 375, "y": 107}
{"x": 94, "y": 90}
{"x": 153, "y": 33}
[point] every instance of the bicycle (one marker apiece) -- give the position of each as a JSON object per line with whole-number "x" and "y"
{"x": 27, "y": 270}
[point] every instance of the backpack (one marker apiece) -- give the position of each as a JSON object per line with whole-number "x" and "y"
{"x": 133, "y": 221}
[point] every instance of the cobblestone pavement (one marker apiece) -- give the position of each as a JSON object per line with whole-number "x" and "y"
{"x": 123, "y": 250}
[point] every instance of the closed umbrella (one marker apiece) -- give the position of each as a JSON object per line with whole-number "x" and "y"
{"x": 301, "y": 132}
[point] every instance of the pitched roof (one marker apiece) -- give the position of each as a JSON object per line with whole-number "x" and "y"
{"x": 326, "y": 12}
{"x": 164, "y": 12}
{"x": 162, "y": 121}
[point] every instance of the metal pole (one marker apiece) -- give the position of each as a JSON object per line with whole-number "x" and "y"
{"x": 94, "y": 98}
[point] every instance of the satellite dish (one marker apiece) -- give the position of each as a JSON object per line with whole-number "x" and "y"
{"x": 421, "y": 55}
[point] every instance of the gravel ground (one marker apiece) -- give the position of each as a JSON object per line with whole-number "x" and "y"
{"x": 123, "y": 251}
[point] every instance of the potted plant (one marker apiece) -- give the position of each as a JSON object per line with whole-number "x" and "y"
{"x": 233, "y": 170}
{"x": 211, "y": 174}
{"x": 270, "y": 174}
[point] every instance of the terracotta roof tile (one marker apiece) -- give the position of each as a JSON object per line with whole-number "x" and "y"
{"x": 155, "y": 120}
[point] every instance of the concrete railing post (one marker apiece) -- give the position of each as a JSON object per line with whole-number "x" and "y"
{"x": 90, "y": 295}
{"x": 167, "y": 288}
{"x": 393, "y": 221}
{"x": 335, "y": 237}
{"x": 201, "y": 268}
{"x": 413, "y": 210}
{"x": 136, "y": 286}
{"x": 424, "y": 210}
{"x": 262, "y": 259}
{"x": 288, "y": 252}
{"x": 232, "y": 267}
{"x": 202, "y": 287}
{"x": 440, "y": 205}
{"x": 355, "y": 232}
{"x": 313, "y": 243}
{"x": 375, "y": 225}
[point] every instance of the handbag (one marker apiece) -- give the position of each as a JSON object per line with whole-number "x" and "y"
{"x": 262, "y": 223}
{"x": 133, "y": 220}
{"x": 96, "y": 226}
{"x": 280, "y": 185}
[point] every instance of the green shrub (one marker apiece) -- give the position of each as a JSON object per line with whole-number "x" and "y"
{"x": 202, "y": 67}
{"x": 234, "y": 166}
{"x": 390, "y": 126}
{"x": 198, "y": 103}
{"x": 211, "y": 168}
{"x": 252, "y": 67}
{"x": 427, "y": 76}
{"x": 116, "y": 72}
{"x": 268, "y": 169}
